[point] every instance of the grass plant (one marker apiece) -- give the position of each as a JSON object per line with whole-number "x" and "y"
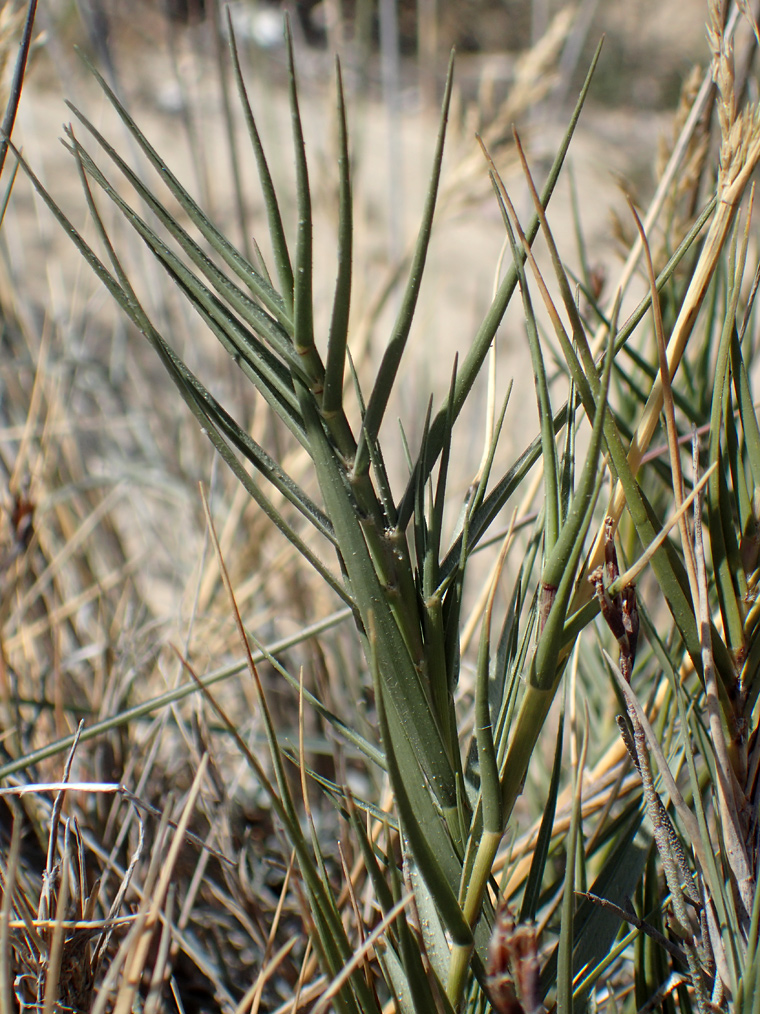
{"x": 456, "y": 829}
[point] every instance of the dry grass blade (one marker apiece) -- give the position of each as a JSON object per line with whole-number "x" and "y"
{"x": 10, "y": 871}
{"x": 740, "y": 153}
{"x": 251, "y": 1000}
{"x": 361, "y": 954}
{"x": 160, "y": 968}
{"x": 632, "y": 572}
{"x": 110, "y": 984}
{"x": 51, "y": 981}
{"x": 116, "y": 906}
{"x": 136, "y": 956}
{"x": 670, "y": 419}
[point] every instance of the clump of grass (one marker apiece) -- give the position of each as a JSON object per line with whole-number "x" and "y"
{"x": 637, "y": 883}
